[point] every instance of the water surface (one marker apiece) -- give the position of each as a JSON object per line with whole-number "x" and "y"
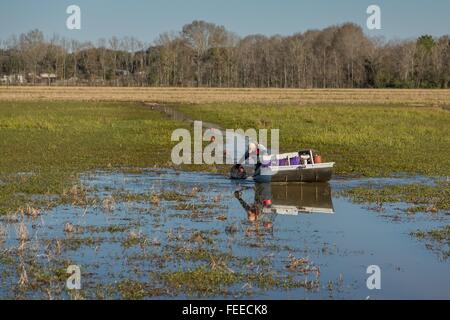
{"x": 309, "y": 221}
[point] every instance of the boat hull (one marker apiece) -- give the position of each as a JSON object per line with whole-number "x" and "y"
{"x": 308, "y": 173}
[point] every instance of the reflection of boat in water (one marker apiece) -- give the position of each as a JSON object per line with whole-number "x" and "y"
{"x": 273, "y": 199}
{"x": 295, "y": 198}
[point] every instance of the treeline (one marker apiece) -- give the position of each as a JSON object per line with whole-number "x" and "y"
{"x": 205, "y": 54}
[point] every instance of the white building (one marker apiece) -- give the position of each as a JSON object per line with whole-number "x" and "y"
{"x": 12, "y": 79}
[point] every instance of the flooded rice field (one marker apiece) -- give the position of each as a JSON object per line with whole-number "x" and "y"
{"x": 167, "y": 234}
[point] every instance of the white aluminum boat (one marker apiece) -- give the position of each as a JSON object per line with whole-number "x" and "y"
{"x": 302, "y": 166}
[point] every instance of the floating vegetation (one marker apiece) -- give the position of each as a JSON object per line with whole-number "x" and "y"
{"x": 425, "y": 198}
{"x": 203, "y": 281}
{"x": 69, "y": 228}
{"x": 74, "y": 243}
{"x": 175, "y": 196}
{"x": 134, "y": 239}
{"x": 301, "y": 265}
{"x": 154, "y": 199}
{"x": 201, "y": 237}
{"x": 201, "y": 254}
{"x": 30, "y": 211}
{"x": 3, "y": 234}
{"x": 441, "y": 235}
{"x": 22, "y": 232}
{"x": 109, "y": 204}
{"x": 135, "y": 290}
{"x": 110, "y": 228}
{"x": 438, "y": 240}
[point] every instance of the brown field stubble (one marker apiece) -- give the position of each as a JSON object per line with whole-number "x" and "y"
{"x": 207, "y": 95}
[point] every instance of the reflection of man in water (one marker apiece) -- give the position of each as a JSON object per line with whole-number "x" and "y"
{"x": 255, "y": 210}
{"x": 252, "y": 210}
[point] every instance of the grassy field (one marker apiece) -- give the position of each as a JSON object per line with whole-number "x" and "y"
{"x": 204, "y": 95}
{"x": 419, "y": 197}
{"x": 362, "y": 140}
{"x": 45, "y": 145}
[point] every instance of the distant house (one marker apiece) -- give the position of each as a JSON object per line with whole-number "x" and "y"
{"x": 43, "y": 78}
{"x": 12, "y": 79}
{"x": 47, "y": 78}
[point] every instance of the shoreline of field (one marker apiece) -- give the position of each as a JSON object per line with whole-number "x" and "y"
{"x": 407, "y": 97}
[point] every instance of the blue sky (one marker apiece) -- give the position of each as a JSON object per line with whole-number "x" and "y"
{"x": 145, "y": 19}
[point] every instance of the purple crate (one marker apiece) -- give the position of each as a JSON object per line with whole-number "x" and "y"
{"x": 283, "y": 162}
{"x": 295, "y": 161}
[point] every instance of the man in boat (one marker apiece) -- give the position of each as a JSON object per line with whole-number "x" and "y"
{"x": 254, "y": 151}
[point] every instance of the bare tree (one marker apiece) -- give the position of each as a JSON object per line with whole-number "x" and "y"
{"x": 32, "y": 48}
{"x": 205, "y": 54}
{"x": 202, "y": 36}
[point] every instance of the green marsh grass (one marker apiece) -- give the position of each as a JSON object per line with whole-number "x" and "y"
{"x": 423, "y": 198}
{"x": 46, "y": 145}
{"x": 437, "y": 240}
